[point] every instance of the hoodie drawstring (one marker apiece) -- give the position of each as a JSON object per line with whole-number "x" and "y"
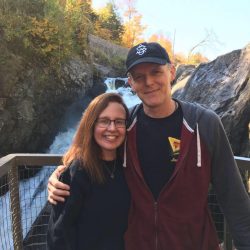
{"x": 125, "y": 143}
{"x": 125, "y": 154}
{"x": 198, "y": 146}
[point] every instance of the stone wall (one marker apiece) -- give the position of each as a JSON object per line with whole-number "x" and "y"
{"x": 107, "y": 47}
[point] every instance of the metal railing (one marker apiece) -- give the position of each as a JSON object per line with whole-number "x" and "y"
{"x": 10, "y": 168}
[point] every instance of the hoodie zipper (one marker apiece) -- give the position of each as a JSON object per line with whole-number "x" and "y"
{"x": 155, "y": 204}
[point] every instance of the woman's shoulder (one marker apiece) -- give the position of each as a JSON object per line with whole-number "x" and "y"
{"x": 73, "y": 172}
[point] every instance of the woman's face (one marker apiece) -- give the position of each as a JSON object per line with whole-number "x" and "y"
{"x": 110, "y": 130}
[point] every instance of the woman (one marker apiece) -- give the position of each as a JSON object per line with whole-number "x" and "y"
{"x": 94, "y": 216}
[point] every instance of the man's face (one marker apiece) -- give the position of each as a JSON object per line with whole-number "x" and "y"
{"x": 152, "y": 83}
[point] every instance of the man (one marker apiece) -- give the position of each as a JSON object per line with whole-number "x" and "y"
{"x": 174, "y": 150}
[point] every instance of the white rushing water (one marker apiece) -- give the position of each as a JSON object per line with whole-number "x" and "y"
{"x": 33, "y": 190}
{"x": 63, "y": 139}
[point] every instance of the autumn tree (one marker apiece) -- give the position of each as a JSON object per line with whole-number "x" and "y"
{"x": 165, "y": 43}
{"x": 180, "y": 58}
{"x": 197, "y": 58}
{"x": 133, "y": 28}
{"x": 55, "y": 30}
{"x": 22, "y": 7}
{"x": 108, "y": 24}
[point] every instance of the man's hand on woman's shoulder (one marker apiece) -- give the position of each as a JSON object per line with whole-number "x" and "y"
{"x": 56, "y": 189}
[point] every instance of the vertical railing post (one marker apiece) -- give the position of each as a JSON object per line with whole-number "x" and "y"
{"x": 228, "y": 244}
{"x": 15, "y": 207}
{"x": 248, "y": 181}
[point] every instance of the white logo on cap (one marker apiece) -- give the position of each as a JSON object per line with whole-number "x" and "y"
{"x": 141, "y": 49}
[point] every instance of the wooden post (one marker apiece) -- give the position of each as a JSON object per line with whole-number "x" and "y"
{"x": 15, "y": 207}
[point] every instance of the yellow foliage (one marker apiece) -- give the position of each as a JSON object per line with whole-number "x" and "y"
{"x": 196, "y": 58}
{"x": 133, "y": 29}
{"x": 42, "y": 36}
{"x": 164, "y": 41}
{"x": 180, "y": 58}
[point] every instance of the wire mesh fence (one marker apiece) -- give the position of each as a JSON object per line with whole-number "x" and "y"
{"x": 6, "y": 240}
{"x": 216, "y": 214}
{"x": 35, "y": 210}
{"x": 33, "y": 207}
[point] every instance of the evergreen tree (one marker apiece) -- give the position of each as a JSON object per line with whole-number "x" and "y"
{"x": 109, "y": 24}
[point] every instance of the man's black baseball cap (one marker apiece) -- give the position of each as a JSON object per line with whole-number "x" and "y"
{"x": 146, "y": 53}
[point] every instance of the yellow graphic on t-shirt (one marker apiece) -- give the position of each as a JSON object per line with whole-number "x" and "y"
{"x": 175, "y": 145}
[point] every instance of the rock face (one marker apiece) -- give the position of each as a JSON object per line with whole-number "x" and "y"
{"x": 183, "y": 71}
{"x": 223, "y": 85}
{"x": 33, "y": 101}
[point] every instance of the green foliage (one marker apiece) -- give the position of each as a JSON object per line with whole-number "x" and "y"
{"x": 78, "y": 24}
{"x": 23, "y": 7}
{"x": 101, "y": 57}
{"x": 44, "y": 38}
{"x": 119, "y": 64}
{"x": 108, "y": 25}
{"x": 48, "y": 30}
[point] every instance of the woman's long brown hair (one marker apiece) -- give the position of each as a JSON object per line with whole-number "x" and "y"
{"x": 84, "y": 147}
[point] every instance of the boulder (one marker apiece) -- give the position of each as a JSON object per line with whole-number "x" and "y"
{"x": 184, "y": 70}
{"x": 223, "y": 85}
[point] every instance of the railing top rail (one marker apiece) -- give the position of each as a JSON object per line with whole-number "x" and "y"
{"x": 5, "y": 163}
{"x": 55, "y": 159}
{"x": 28, "y": 159}
{"x": 243, "y": 162}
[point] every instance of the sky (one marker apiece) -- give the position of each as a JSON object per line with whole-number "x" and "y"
{"x": 187, "y": 22}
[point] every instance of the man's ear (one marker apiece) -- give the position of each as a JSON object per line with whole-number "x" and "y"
{"x": 130, "y": 82}
{"x": 173, "y": 72}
